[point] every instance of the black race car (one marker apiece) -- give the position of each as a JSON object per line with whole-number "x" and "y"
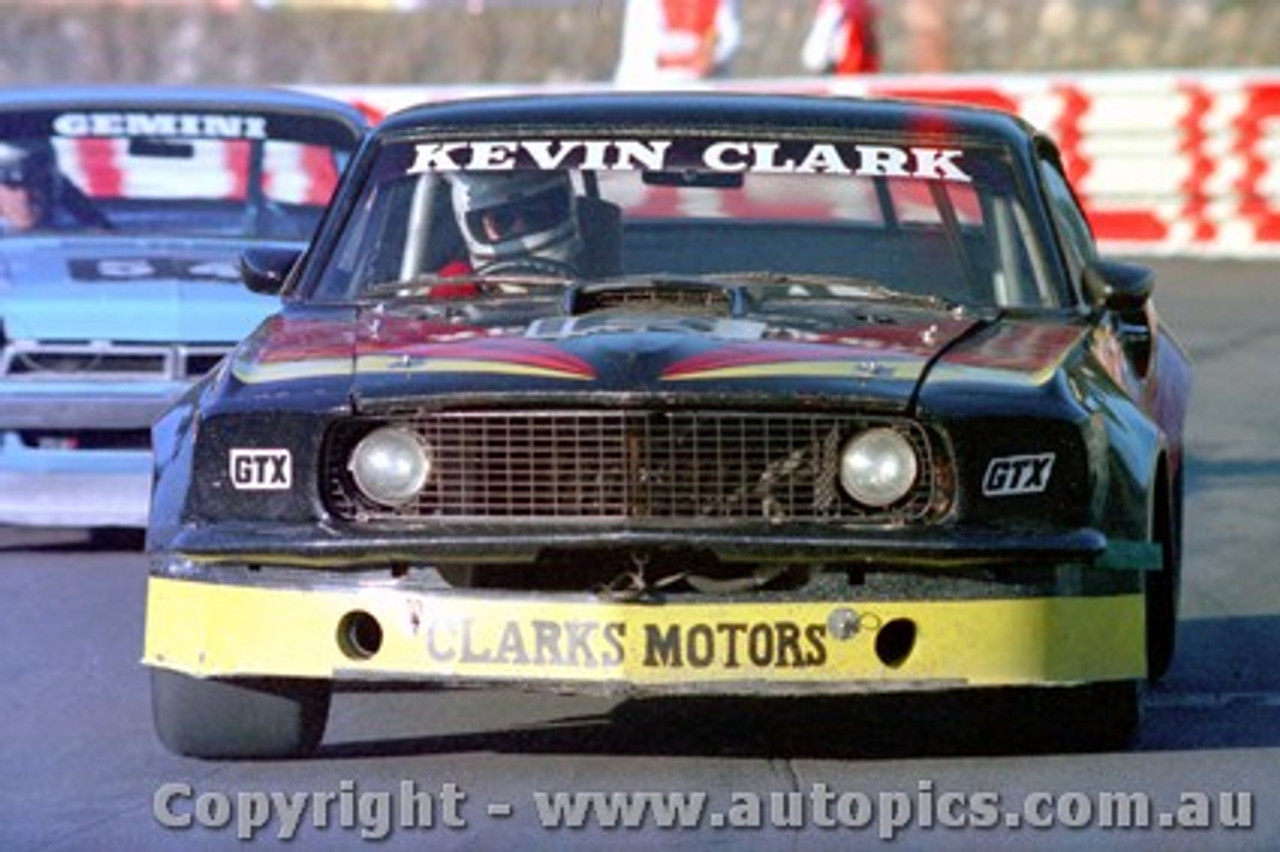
{"x": 698, "y": 393}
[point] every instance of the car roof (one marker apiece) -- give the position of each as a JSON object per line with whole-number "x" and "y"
{"x": 710, "y": 110}
{"x": 18, "y": 99}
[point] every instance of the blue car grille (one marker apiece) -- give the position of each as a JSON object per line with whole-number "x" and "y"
{"x": 76, "y": 361}
{"x": 625, "y": 464}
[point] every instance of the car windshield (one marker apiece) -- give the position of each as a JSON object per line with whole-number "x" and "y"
{"x": 842, "y": 219}
{"x": 245, "y": 174}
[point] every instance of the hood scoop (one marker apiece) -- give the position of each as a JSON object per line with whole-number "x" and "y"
{"x": 692, "y": 298}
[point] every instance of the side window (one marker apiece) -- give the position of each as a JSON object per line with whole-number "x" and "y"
{"x": 1073, "y": 229}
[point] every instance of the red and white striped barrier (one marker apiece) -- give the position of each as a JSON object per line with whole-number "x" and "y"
{"x": 1176, "y": 162}
{"x": 215, "y": 169}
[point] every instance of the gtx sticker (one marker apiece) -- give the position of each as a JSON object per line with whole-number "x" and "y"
{"x": 1009, "y": 476}
{"x": 261, "y": 470}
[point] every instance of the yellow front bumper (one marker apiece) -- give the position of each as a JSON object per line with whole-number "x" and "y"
{"x": 372, "y": 632}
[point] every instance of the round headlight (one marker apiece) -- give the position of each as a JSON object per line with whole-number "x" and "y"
{"x": 390, "y": 465}
{"x": 878, "y": 467}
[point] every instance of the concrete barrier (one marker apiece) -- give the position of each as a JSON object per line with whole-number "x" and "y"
{"x": 1169, "y": 162}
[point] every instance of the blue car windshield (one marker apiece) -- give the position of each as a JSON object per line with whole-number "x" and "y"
{"x": 245, "y": 175}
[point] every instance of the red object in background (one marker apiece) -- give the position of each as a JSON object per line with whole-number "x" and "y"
{"x": 843, "y": 38}
{"x": 665, "y": 40}
{"x": 688, "y": 42}
{"x": 862, "y": 47}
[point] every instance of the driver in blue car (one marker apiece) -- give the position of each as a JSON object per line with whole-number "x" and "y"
{"x": 27, "y": 183}
{"x": 36, "y": 196}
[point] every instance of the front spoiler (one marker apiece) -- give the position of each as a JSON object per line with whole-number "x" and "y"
{"x": 335, "y": 546}
{"x": 589, "y": 644}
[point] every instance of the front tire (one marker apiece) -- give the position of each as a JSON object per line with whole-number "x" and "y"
{"x": 1103, "y": 716}
{"x": 1162, "y": 589}
{"x": 218, "y": 719}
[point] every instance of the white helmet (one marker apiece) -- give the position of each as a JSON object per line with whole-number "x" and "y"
{"x": 517, "y": 217}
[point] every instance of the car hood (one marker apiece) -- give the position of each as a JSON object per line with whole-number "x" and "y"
{"x": 59, "y": 289}
{"x": 383, "y": 355}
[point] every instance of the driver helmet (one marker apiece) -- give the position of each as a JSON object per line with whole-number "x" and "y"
{"x": 517, "y": 215}
{"x": 30, "y": 164}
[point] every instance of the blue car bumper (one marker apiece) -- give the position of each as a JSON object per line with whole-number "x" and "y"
{"x": 78, "y": 456}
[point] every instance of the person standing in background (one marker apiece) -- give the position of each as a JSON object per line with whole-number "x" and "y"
{"x": 677, "y": 40}
{"x": 842, "y": 38}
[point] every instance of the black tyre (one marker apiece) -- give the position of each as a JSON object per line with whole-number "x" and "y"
{"x": 1162, "y": 589}
{"x": 117, "y": 538}
{"x": 1103, "y": 716}
{"x": 1161, "y": 595}
{"x": 243, "y": 719}
{"x": 1061, "y": 719}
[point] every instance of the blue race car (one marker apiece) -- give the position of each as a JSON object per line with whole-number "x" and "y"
{"x": 123, "y": 211}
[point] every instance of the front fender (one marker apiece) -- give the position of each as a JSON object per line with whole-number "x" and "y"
{"x": 172, "y": 444}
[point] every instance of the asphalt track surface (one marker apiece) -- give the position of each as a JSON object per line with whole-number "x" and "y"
{"x": 81, "y": 769}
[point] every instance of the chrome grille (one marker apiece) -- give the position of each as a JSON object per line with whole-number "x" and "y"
{"x": 632, "y": 464}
